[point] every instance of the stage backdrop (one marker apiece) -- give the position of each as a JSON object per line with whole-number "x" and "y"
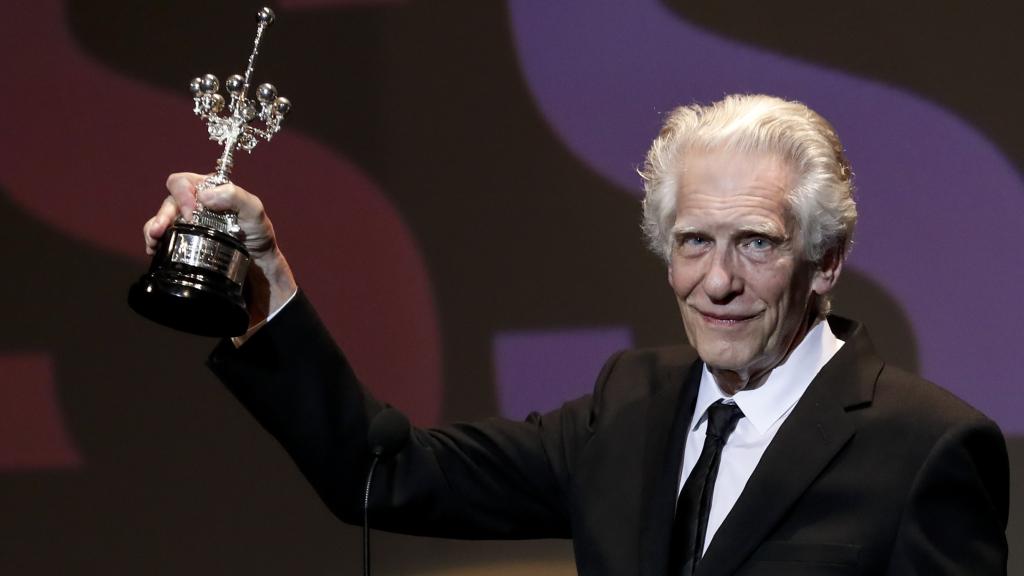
{"x": 456, "y": 191}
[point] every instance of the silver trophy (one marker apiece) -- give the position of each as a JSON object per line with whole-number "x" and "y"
{"x": 196, "y": 278}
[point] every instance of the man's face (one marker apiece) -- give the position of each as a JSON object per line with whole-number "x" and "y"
{"x": 743, "y": 288}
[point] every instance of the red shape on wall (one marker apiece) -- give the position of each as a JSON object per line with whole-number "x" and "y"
{"x": 32, "y": 431}
{"x": 87, "y": 155}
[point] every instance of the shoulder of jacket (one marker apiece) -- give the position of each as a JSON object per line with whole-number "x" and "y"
{"x": 637, "y": 374}
{"x": 932, "y": 407}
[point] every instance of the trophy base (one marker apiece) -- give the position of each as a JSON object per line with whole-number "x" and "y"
{"x": 195, "y": 283}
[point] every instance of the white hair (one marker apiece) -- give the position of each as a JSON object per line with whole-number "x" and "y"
{"x": 821, "y": 199}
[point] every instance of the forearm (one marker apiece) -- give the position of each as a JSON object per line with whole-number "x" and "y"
{"x": 271, "y": 285}
{"x": 492, "y": 479}
{"x": 300, "y": 388}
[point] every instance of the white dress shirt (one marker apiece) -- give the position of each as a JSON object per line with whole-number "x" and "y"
{"x": 239, "y": 340}
{"x": 764, "y": 410}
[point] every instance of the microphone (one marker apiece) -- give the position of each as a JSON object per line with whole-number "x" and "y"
{"x": 388, "y": 433}
{"x": 387, "y": 436}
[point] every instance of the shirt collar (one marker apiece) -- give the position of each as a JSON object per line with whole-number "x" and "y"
{"x": 764, "y": 405}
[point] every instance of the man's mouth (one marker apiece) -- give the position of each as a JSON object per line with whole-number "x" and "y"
{"x": 723, "y": 319}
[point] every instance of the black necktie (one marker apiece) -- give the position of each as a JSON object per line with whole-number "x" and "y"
{"x": 694, "y": 504}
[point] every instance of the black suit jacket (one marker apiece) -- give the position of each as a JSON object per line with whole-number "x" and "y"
{"x": 875, "y": 471}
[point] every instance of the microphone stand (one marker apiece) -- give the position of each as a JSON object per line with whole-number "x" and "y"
{"x": 387, "y": 436}
{"x": 366, "y": 514}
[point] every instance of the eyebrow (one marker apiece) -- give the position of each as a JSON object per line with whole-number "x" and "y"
{"x": 760, "y": 229}
{"x": 678, "y": 231}
{"x": 764, "y": 229}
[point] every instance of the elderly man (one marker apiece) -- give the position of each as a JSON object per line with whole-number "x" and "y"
{"x": 778, "y": 442}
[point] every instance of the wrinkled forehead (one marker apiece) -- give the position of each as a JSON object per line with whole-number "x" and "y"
{"x": 728, "y": 190}
{"x": 731, "y": 176}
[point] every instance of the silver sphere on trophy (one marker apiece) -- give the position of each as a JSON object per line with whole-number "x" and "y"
{"x": 196, "y": 279}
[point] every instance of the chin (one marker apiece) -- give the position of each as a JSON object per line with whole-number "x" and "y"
{"x": 729, "y": 360}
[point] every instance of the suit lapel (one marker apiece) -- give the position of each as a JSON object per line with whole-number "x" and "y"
{"x": 811, "y": 436}
{"x": 668, "y": 416}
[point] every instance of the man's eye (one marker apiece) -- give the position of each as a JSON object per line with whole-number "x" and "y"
{"x": 759, "y": 243}
{"x": 692, "y": 244}
{"x": 692, "y": 241}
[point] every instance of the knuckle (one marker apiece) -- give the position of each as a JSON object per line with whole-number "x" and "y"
{"x": 177, "y": 181}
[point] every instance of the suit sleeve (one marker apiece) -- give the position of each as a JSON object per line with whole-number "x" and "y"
{"x": 493, "y": 479}
{"x": 955, "y": 518}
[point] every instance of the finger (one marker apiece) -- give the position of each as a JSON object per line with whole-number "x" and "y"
{"x": 231, "y": 197}
{"x": 155, "y": 227}
{"x": 151, "y": 234}
{"x": 147, "y": 231}
{"x": 182, "y": 186}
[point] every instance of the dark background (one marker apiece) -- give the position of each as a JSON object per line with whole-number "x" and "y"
{"x": 429, "y": 204}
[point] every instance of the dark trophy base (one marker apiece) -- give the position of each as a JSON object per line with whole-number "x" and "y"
{"x": 194, "y": 283}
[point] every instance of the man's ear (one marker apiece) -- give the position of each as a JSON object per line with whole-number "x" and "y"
{"x": 826, "y": 273}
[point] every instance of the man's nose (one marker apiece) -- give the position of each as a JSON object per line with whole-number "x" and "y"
{"x": 722, "y": 281}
